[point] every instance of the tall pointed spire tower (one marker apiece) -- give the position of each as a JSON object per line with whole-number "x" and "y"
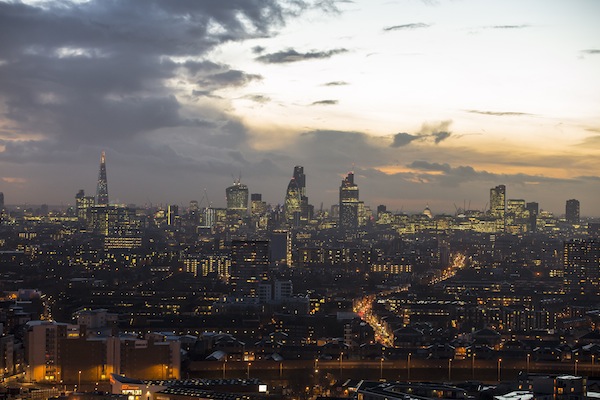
{"x": 102, "y": 188}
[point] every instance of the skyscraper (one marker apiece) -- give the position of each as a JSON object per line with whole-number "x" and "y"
{"x": 533, "y": 210}
{"x": 293, "y": 203}
{"x": 1, "y": 201}
{"x": 572, "y": 211}
{"x": 237, "y": 199}
{"x": 296, "y": 208}
{"x": 300, "y": 179}
{"x": 348, "y": 203}
{"x": 83, "y": 203}
{"x": 498, "y": 201}
{"x": 102, "y": 187}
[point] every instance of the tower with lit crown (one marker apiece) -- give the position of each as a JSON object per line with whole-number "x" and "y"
{"x": 349, "y": 204}
{"x": 102, "y": 187}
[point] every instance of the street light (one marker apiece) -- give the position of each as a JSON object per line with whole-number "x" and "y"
{"x": 528, "y": 358}
{"x": 499, "y": 368}
{"x": 341, "y": 364}
{"x": 381, "y": 368}
{"x": 316, "y": 365}
{"x": 592, "y": 366}
{"x": 449, "y": 369}
{"x": 79, "y": 381}
{"x": 248, "y": 371}
{"x": 224, "y": 366}
{"x": 473, "y": 366}
{"x": 408, "y": 367}
{"x": 576, "y": 362}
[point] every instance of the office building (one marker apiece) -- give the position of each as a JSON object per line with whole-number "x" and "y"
{"x": 1, "y": 201}
{"x": 281, "y": 247}
{"x": 533, "y": 210}
{"x": 83, "y": 203}
{"x": 498, "y": 201}
{"x": 102, "y": 187}
{"x": 293, "y": 204}
{"x": 348, "y": 211}
{"x": 237, "y": 199}
{"x": 572, "y": 211}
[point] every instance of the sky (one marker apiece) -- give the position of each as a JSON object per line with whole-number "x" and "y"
{"x": 429, "y": 102}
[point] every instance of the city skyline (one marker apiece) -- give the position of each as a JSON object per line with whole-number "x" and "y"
{"x": 428, "y": 102}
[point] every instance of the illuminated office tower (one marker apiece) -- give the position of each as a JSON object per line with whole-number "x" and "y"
{"x": 348, "y": 203}
{"x": 249, "y": 267}
{"x": 498, "y": 201}
{"x": 237, "y": 199}
{"x": 572, "y": 211}
{"x": 83, "y": 204}
{"x": 581, "y": 266}
{"x": 102, "y": 188}
{"x": 293, "y": 203}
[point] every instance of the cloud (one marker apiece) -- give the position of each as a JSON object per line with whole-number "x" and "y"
{"x": 591, "y": 51}
{"x": 406, "y": 27}
{"x": 291, "y": 55}
{"x": 258, "y": 98}
{"x": 510, "y": 26}
{"x": 98, "y": 74}
{"x": 336, "y": 83}
{"x": 445, "y": 174}
{"x": 436, "y": 131}
{"x": 324, "y": 103}
{"x": 228, "y": 78}
{"x": 258, "y": 49}
{"x": 403, "y": 139}
{"x": 499, "y": 113}
{"x": 427, "y": 166}
{"x": 440, "y": 136}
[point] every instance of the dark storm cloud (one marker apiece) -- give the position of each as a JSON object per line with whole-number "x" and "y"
{"x": 403, "y": 139}
{"x": 291, "y": 55}
{"x": 324, "y": 103}
{"x": 406, "y": 27}
{"x": 591, "y": 51}
{"x": 96, "y": 73}
{"x": 498, "y": 113}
